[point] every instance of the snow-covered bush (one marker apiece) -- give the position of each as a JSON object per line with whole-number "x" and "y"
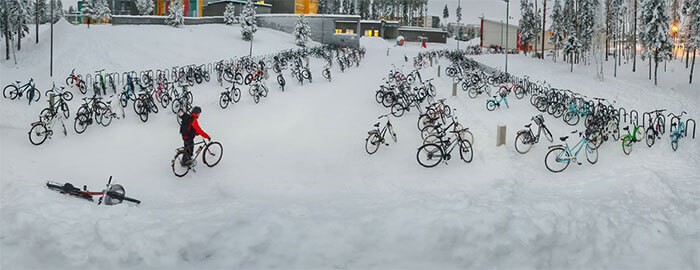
{"x": 302, "y": 31}
{"x": 145, "y": 7}
{"x": 175, "y": 14}
{"x": 230, "y": 14}
{"x": 248, "y": 24}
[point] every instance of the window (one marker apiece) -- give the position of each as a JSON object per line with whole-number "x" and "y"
{"x": 338, "y": 31}
{"x": 349, "y": 31}
{"x": 368, "y": 33}
{"x": 376, "y": 33}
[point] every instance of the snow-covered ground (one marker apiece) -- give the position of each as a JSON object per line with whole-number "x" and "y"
{"x": 296, "y": 189}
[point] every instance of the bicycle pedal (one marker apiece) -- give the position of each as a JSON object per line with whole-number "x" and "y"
{"x": 386, "y": 144}
{"x": 579, "y": 163}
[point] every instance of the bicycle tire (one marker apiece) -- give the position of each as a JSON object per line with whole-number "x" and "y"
{"x": 10, "y": 92}
{"x": 372, "y": 143}
{"x": 432, "y": 153}
{"x": 490, "y": 105}
{"x": 81, "y": 123}
{"x": 215, "y": 150}
{"x": 627, "y": 143}
{"x": 236, "y": 97}
{"x": 524, "y": 138}
{"x": 592, "y": 158}
{"x": 650, "y": 136}
{"x": 674, "y": 145}
{"x": 556, "y": 152}
{"x": 397, "y": 110}
{"x": 41, "y": 132}
{"x": 176, "y": 164}
{"x": 223, "y": 100}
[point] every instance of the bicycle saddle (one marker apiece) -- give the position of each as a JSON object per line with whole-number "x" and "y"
{"x": 626, "y": 128}
{"x": 494, "y": 97}
{"x": 528, "y": 125}
{"x": 18, "y": 82}
{"x": 376, "y": 125}
{"x": 563, "y": 139}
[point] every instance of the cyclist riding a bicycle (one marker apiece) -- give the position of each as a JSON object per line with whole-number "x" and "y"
{"x": 189, "y": 129}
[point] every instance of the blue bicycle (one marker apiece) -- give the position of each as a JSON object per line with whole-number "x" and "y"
{"x": 491, "y": 104}
{"x": 14, "y": 91}
{"x": 560, "y": 155}
{"x": 677, "y": 133}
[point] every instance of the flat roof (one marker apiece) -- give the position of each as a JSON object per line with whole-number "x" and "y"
{"x": 421, "y": 29}
{"x": 235, "y": 1}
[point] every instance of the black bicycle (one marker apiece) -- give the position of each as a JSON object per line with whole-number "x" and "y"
{"x": 212, "y": 154}
{"x": 376, "y": 136}
{"x": 14, "y": 91}
{"x": 430, "y": 155}
{"x": 231, "y": 95}
{"x": 525, "y": 138}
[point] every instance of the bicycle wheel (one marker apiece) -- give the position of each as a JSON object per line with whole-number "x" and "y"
{"x": 390, "y": 129}
{"x": 466, "y": 153}
{"x": 372, "y": 143}
{"x": 223, "y": 100}
{"x": 397, "y": 110}
{"x": 212, "y": 154}
{"x": 467, "y": 136}
{"x": 627, "y": 143}
{"x": 559, "y": 110}
{"x": 106, "y": 117}
{"x": 522, "y": 142}
{"x": 69, "y": 81}
{"x": 81, "y": 123}
{"x": 263, "y": 90}
{"x": 38, "y": 134}
{"x": 143, "y": 115}
{"x": 674, "y": 145}
{"x": 557, "y": 160}
{"x": 176, "y": 163}
{"x": 67, "y": 95}
{"x": 547, "y": 134}
{"x": 65, "y": 109}
{"x": 256, "y": 98}
{"x": 236, "y": 95}
{"x": 650, "y": 136}
{"x": 473, "y": 93}
{"x": 571, "y": 118}
{"x": 165, "y": 100}
{"x": 429, "y": 155}
{"x": 10, "y": 92}
{"x": 428, "y": 130}
{"x": 81, "y": 87}
{"x": 424, "y": 121}
{"x": 490, "y": 105}
{"x": 519, "y": 92}
{"x": 591, "y": 154}
{"x": 388, "y": 99}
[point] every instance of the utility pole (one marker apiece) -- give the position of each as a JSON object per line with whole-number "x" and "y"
{"x": 544, "y": 20}
{"x": 459, "y": 22}
{"x": 36, "y": 16}
{"x": 507, "y": 26}
{"x": 7, "y": 32}
{"x": 51, "y": 22}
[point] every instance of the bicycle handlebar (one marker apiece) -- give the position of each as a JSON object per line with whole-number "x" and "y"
{"x": 677, "y": 116}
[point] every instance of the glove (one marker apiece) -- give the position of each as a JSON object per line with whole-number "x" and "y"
{"x": 209, "y": 138}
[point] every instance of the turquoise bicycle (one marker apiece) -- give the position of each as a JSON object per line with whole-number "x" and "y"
{"x": 491, "y": 104}
{"x": 560, "y": 155}
{"x": 677, "y": 132}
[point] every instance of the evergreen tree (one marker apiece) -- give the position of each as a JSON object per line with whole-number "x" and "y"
{"x": 19, "y": 17}
{"x": 322, "y": 7}
{"x": 88, "y": 12}
{"x": 57, "y": 12}
{"x": 102, "y": 11}
{"x": 459, "y": 14}
{"x": 71, "y": 10}
{"x": 247, "y": 19}
{"x": 557, "y": 27}
{"x": 586, "y": 22}
{"x": 528, "y": 24}
{"x": 144, "y": 7}
{"x": 654, "y": 34}
{"x": 302, "y": 31}
{"x": 691, "y": 10}
{"x": 176, "y": 14}
{"x": 230, "y": 14}
{"x": 364, "y": 9}
{"x": 445, "y": 13}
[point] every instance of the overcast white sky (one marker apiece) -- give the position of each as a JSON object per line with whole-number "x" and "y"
{"x": 471, "y": 9}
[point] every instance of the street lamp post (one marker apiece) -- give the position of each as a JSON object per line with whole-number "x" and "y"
{"x": 507, "y": 26}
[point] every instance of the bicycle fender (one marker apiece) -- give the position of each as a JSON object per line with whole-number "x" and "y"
{"x": 555, "y": 146}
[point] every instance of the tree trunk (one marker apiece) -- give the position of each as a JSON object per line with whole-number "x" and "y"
{"x": 525, "y": 49}
{"x": 36, "y": 14}
{"x": 571, "y": 58}
{"x": 634, "y": 39}
{"x": 7, "y": 33}
{"x": 687, "y": 54}
{"x": 649, "y": 59}
{"x": 656, "y": 65}
{"x": 544, "y": 23}
{"x": 692, "y": 67}
{"x": 19, "y": 34}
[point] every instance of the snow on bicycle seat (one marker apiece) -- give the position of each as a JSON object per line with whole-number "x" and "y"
{"x": 528, "y": 125}
{"x": 376, "y": 125}
{"x": 563, "y": 138}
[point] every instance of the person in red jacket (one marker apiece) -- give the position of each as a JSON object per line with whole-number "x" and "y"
{"x": 189, "y": 129}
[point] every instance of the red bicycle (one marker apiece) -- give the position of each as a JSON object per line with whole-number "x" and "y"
{"x": 514, "y": 87}
{"x": 75, "y": 80}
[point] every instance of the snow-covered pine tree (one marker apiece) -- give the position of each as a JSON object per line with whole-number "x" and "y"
{"x": 145, "y": 7}
{"x": 57, "y": 11}
{"x": 88, "y": 12}
{"x": 654, "y": 34}
{"x": 528, "y": 24}
{"x": 445, "y": 12}
{"x": 363, "y": 9}
{"x": 230, "y": 14}
{"x": 322, "y": 7}
{"x": 40, "y": 8}
{"x": 176, "y": 11}
{"x": 19, "y": 18}
{"x": 248, "y": 23}
{"x": 302, "y": 31}
{"x": 557, "y": 27}
{"x": 586, "y": 22}
{"x": 102, "y": 11}
{"x": 459, "y": 14}
{"x": 691, "y": 11}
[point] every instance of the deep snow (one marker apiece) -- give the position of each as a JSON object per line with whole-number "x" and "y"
{"x": 295, "y": 188}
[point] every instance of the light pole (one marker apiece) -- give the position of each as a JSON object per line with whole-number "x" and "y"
{"x": 507, "y": 26}
{"x": 51, "y": 22}
{"x": 459, "y": 22}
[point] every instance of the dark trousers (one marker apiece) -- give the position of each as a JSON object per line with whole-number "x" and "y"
{"x": 189, "y": 147}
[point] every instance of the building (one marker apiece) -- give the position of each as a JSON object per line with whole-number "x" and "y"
{"x": 217, "y": 7}
{"x": 431, "y": 21}
{"x": 493, "y": 34}
{"x": 193, "y": 8}
{"x": 294, "y": 6}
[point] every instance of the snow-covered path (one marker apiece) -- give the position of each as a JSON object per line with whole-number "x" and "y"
{"x": 295, "y": 189}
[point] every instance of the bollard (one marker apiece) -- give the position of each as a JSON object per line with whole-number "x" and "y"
{"x": 438, "y": 70}
{"x": 51, "y": 100}
{"x": 501, "y": 135}
{"x": 454, "y": 89}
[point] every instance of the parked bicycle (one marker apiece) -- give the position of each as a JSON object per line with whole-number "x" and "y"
{"x": 376, "y": 136}
{"x": 15, "y": 91}
{"x": 525, "y": 138}
{"x": 560, "y": 155}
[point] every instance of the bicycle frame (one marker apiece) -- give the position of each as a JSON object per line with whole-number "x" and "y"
{"x": 583, "y": 142}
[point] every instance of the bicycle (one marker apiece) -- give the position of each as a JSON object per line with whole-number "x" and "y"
{"x": 526, "y": 137}
{"x": 677, "y": 133}
{"x": 76, "y": 80}
{"x": 327, "y": 72}
{"x": 656, "y": 127}
{"x": 563, "y": 154}
{"x": 113, "y": 193}
{"x": 492, "y": 103}
{"x": 257, "y": 89}
{"x": 630, "y": 138}
{"x": 61, "y": 103}
{"x": 213, "y": 152}
{"x": 430, "y": 155}
{"x": 93, "y": 108}
{"x": 231, "y": 95}
{"x": 375, "y": 137}
{"x": 43, "y": 129}
{"x": 13, "y": 91}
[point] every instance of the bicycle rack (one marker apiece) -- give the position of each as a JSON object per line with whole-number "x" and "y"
{"x": 117, "y": 79}
{"x": 88, "y": 81}
{"x": 634, "y": 115}
{"x": 644, "y": 122}
{"x": 619, "y": 113}
{"x": 687, "y": 127}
